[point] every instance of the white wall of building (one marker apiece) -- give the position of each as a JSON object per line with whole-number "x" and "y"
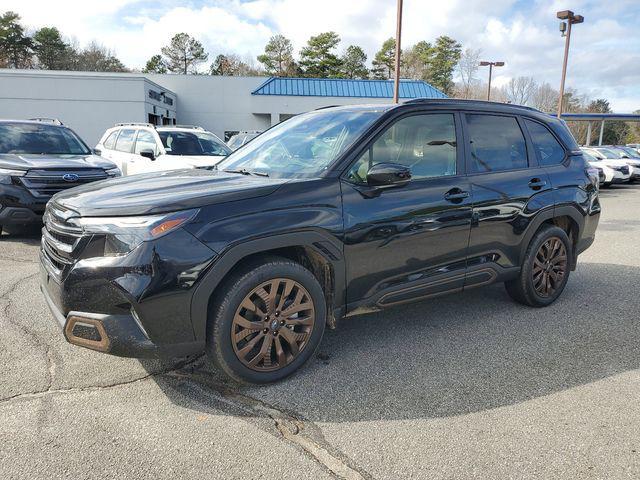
{"x": 91, "y": 102}
{"x": 87, "y": 102}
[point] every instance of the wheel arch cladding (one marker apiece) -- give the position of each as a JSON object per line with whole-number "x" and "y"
{"x": 319, "y": 253}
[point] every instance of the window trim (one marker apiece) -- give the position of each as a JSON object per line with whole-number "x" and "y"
{"x": 115, "y": 132}
{"x": 467, "y": 143}
{"x": 386, "y": 125}
{"x": 564, "y": 161}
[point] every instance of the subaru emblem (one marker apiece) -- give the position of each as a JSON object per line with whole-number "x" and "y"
{"x": 70, "y": 177}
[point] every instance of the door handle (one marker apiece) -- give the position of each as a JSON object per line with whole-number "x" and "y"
{"x": 536, "y": 184}
{"x": 455, "y": 194}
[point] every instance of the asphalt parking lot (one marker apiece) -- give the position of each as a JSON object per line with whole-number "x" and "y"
{"x": 469, "y": 386}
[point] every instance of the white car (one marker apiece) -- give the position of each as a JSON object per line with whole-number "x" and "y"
{"x": 240, "y": 138}
{"x": 613, "y": 170}
{"x": 629, "y": 155}
{"x": 143, "y": 147}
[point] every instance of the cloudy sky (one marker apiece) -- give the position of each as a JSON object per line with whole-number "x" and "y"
{"x": 605, "y": 53}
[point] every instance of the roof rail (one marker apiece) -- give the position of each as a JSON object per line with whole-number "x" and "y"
{"x": 466, "y": 101}
{"x": 46, "y": 120}
{"x": 135, "y": 124}
{"x": 192, "y": 127}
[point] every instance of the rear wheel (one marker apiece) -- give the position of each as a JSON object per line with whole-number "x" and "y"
{"x": 269, "y": 322}
{"x": 545, "y": 269}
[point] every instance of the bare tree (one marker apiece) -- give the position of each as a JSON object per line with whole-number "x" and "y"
{"x": 545, "y": 98}
{"x": 467, "y": 68}
{"x": 520, "y": 89}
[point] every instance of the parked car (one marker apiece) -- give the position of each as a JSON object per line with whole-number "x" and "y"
{"x": 606, "y": 174}
{"x": 332, "y": 213}
{"x": 635, "y": 146}
{"x": 143, "y": 147}
{"x": 241, "y": 138}
{"x": 630, "y": 156}
{"x": 604, "y": 157}
{"x": 39, "y": 158}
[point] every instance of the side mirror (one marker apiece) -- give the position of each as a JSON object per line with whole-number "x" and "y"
{"x": 147, "y": 153}
{"x": 96, "y": 151}
{"x": 388, "y": 175}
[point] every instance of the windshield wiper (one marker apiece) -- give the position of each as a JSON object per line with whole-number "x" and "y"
{"x": 244, "y": 171}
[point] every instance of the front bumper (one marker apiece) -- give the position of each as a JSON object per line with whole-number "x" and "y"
{"x": 18, "y": 207}
{"x": 137, "y": 305}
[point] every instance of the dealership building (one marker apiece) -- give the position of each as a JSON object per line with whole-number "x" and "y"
{"x": 91, "y": 102}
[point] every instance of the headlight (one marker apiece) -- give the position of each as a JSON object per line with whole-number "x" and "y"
{"x": 123, "y": 234}
{"x": 7, "y": 173}
{"x": 114, "y": 172}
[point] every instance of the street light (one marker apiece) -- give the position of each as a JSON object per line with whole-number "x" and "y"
{"x": 491, "y": 65}
{"x": 565, "y": 30}
{"x": 396, "y": 73}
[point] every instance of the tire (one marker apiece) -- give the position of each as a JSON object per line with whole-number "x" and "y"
{"x": 277, "y": 344}
{"x": 528, "y": 288}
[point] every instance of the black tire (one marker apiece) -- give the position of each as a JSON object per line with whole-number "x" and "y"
{"x": 522, "y": 289}
{"x": 221, "y": 349}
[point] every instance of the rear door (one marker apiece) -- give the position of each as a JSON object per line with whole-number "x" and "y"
{"x": 508, "y": 189}
{"x": 123, "y": 153}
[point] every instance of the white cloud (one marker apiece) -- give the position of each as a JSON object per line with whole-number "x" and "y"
{"x": 604, "y": 61}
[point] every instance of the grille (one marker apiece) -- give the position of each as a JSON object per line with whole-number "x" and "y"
{"x": 60, "y": 240}
{"x": 45, "y": 183}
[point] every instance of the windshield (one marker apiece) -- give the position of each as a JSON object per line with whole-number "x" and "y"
{"x": 40, "y": 139}
{"x": 631, "y": 153}
{"x": 589, "y": 157}
{"x": 303, "y": 146}
{"x": 609, "y": 153}
{"x": 192, "y": 143}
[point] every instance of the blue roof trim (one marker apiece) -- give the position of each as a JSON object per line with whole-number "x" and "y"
{"x": 343, "y": 87}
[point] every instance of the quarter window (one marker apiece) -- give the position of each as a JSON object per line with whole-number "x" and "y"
{"x": 146, "y": 141}
{"x": 424, "y": 143}
{"x": 124, "y": 143}
{"x": 549, "y": 151}
{"x": 497, "y": 143}
{"x": 110, "y": 142}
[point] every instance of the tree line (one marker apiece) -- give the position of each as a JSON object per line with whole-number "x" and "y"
{"x": 436, "y": 62}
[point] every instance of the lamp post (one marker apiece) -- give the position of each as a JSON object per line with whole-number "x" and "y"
{"x": 396, "y": 83}
{"x": 491, "y": 65}
{"x": 569, "y": 18}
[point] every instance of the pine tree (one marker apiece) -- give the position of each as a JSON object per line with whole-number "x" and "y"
{"x": 384, "y": 61}
{"x": 278, "y": 57}
{"x": 317, "y": 58}
{"x": 16, "y": 49}
{"x": 184, "y": 53}
{"x": 155, "y": 64}
{"x": 354, "y": 63}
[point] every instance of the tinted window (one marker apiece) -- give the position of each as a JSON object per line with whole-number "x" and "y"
{"x": 192, "y": 143}
{"x": 125, "y": 140}
{"x": 497, "y": 143}
{"x": 146, "y": 141}
{"x": 424, "y": 143}
{"x": 110, "y": 142}
{"x": 39, "y": 139}
{"x": 547, "y": 148}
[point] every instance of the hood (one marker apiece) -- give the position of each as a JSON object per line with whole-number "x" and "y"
{"x": 161, "y": 192}
{"x": 613, "y": 162}
{"x": 27, "y": 161}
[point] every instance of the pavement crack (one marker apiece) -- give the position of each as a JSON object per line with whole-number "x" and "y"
{"x": 289, "y": 426}
{"x": 91, "y": 388}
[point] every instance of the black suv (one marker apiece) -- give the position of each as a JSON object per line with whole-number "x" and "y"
{"x": 39, "y": 158}
{"x": 331, "y": 213}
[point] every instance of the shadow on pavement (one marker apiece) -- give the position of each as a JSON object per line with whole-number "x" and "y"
{"x": 459, "y": 354}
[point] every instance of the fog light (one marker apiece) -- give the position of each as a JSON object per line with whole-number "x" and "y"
{"x": 87, "y": 332}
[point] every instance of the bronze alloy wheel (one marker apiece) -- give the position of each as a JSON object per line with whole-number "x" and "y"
{"x": 549, "y": 267}
{"x": 272, "y": 325}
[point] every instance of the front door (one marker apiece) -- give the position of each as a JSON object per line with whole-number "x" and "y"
{"x": 408, "y": 242}
{"x": 508, "y": 187}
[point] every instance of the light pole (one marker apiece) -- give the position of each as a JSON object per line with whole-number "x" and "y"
{"x": 491, "y": 65}
{"x": 396, "y": 83}
{"x": 571, "y": 19}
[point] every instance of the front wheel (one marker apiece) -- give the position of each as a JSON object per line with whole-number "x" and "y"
{"x": 268, "y": 323}
{"x": 545, "y": 269}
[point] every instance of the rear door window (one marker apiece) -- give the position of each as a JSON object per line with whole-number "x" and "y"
{"x": 497, "y": 143}
{"x": 110, "y": 142}
{"x": 124, "y": 143}
{"x": 547, "y": 148}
